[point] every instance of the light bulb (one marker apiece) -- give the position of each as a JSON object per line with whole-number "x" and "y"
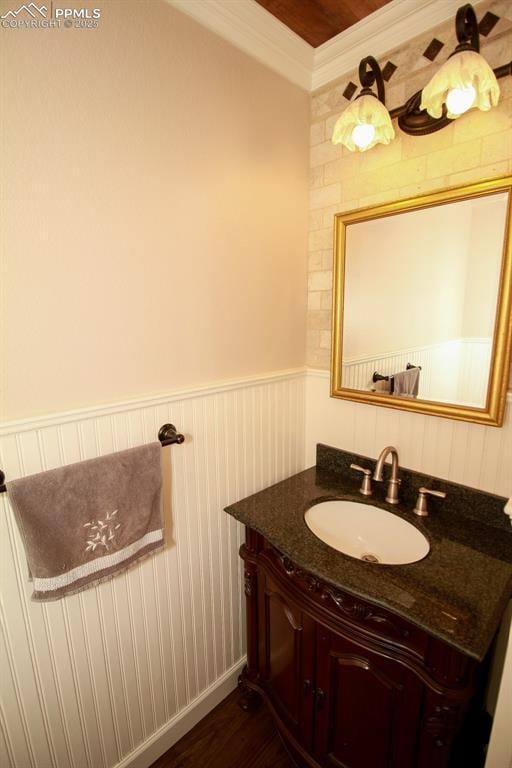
{"x": 459, "y": 100}
{"x": 363, "y": 135}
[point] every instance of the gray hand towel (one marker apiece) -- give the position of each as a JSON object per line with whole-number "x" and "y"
{"x": 83, "y": 522}
{"x": 406, "y": 383}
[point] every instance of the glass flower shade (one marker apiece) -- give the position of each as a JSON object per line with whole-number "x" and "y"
{"x": 465, "y": 81}
{"x": 364, "y": 123}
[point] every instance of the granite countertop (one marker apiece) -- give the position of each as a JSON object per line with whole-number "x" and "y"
{"x": 457, "y": 593}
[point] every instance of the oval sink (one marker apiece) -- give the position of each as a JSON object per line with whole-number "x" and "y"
{"x": 366, "y": 532}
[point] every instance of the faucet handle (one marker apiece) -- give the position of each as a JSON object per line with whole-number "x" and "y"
{"x": 366, "y": 485}
{"x": 421, "y": 502}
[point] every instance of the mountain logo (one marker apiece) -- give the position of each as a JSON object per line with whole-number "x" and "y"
{"x": 32, "y": 9}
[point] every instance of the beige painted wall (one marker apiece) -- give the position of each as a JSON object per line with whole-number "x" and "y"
{"x": 477, "y": 146}
{"x": 155, "y": 211}
{"x": 488, "y": 223}
{"x": 391, "y": 287}
{"x": 422, "y": 277}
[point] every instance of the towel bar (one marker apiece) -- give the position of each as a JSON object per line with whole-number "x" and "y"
{"x": 167, "y": 434}
{"x": 379, "y": 377}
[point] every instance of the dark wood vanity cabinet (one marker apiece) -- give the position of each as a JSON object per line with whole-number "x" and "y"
{"x": 349, "y": 684}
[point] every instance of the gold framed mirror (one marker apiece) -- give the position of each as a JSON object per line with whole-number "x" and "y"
{"x": 422, "y": 303}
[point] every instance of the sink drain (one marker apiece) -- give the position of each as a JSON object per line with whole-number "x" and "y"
{"x": 369, "y": 558}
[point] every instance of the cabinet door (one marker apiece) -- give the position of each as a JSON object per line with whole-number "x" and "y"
{"x": 286, "y": 658}
{"x": 367, "y": 707}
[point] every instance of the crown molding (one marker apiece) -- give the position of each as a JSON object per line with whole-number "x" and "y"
{"x": 252, "y": 29}
{"x": 383, "y": 30}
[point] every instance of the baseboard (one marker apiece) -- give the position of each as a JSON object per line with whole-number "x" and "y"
{"x": 168, "y": 734}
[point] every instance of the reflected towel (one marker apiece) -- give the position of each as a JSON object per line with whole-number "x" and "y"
{"x": 382, "y": 386}
{"x": 406, "y": 383}
{"x": 82, "y": 523}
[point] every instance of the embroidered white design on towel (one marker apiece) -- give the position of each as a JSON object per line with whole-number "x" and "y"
{"x": 102, "y": 533}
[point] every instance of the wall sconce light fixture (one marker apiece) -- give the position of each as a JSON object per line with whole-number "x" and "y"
{"x": 366, "y": 121}
{"x": 464, "y": 81}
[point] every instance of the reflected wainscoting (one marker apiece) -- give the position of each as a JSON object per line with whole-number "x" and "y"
{"x": 115, "y": 675}
{"x": 455, "y": 370}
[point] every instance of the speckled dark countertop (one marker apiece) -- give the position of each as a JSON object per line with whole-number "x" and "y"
{"x": 457, "y": 593}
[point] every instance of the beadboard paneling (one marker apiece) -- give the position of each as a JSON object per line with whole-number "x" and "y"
{"x": 88, "y": 680}
{"x": 473, "y": 454}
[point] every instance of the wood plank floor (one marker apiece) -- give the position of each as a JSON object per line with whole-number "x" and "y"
{"x": 229, "y": 738}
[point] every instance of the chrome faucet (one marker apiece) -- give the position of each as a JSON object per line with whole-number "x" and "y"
{"x": 394, "y": 482}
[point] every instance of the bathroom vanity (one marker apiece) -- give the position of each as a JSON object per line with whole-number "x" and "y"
{"x": 363, "y": 664}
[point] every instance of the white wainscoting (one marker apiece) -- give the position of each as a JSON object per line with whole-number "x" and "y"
{"x": 115, "y": 675}
{"x": 473, "y": 454}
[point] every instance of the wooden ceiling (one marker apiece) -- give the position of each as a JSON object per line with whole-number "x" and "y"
{"x": 316, "y": 21}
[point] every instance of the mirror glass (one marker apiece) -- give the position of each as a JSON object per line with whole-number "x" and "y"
{"x": 418, "y": 293}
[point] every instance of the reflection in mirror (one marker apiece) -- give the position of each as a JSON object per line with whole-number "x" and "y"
{"x": 422, "y": 303}
{"x": 420, "y": 291}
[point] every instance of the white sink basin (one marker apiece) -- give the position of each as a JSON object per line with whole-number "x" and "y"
{"x": 367, "y": 532}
